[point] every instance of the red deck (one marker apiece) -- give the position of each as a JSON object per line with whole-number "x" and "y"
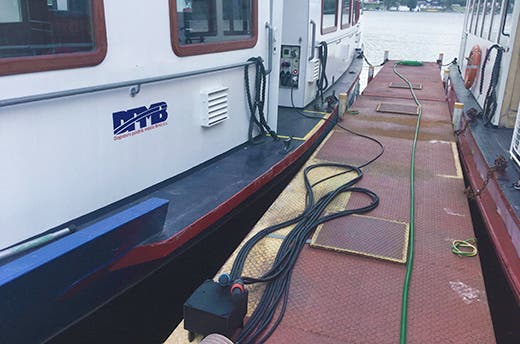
{"x": 347, "y": 298}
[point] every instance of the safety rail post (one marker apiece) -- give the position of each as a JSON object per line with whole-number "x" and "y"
{"x": 440, "y": 59}
{"x": 342, "y": 108}
{"x": 457, "y": 115}
{"x": 445, "y": 77}
{"x": 370, "y": 73}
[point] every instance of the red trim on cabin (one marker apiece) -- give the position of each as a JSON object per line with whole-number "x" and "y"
{"x": 150, "y": 252}
{"x": 492, "y": 203}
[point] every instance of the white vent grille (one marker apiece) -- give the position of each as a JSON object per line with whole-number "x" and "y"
{"x": 314, "y": 69}
{"x": 215, "y": 107}
{"x": 515, "y": 144}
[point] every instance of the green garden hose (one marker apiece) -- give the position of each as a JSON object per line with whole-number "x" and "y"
{"x": 409, "y": 63}
{"x": 409, "y": 263}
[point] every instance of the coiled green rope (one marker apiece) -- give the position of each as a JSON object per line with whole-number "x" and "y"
{"x": 465, "y": 248}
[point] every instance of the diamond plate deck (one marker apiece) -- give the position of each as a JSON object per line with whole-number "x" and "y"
{"x": 350, "y": 298}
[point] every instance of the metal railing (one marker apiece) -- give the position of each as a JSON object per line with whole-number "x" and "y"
{"x": 135, "y": 84}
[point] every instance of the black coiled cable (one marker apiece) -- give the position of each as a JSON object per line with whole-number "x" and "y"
{"x": 260, "y": 325}
{"x": 262, "y": 322}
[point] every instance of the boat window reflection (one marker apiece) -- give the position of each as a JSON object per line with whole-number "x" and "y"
{"x": 45, "y": 27}
{"x": 211, "y": 21}
{"x": 345, "y": 14}
{"x": 329, "y": 18}
{"x": 356, "y": 12}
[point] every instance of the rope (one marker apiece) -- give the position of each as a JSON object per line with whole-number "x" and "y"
{"x": 459, "y": 247}
{"x": 409, "y": 263}
{"x": 454, "y": 62}
{"x": 323, "y": 82}
{"x": 490, "y": 104}
{"x": 259, "y": 101}
{"x": 370, "y": 64}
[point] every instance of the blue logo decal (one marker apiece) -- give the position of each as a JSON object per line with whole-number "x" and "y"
{"x": 136, "y": 121}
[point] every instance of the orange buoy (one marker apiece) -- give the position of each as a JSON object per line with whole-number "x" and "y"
{"x": 472, "y": 67}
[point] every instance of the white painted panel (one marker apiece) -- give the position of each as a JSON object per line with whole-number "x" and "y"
{"x": 63, "y": 161}
{"x": 60, "y": 157}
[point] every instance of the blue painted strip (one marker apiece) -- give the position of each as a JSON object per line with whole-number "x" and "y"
{"x": 47, "y": 254}
{"x": 46, "y": 290}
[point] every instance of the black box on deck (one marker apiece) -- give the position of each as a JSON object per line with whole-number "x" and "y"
{"x": 213, "y": 309}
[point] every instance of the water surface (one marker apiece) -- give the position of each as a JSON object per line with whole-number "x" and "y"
{"x": 411, "y": 35}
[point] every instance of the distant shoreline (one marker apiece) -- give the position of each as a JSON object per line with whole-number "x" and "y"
{"x": 379, "y": 8}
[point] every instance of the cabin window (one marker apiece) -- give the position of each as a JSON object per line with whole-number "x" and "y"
{"x": 329, "y": 16}
{"x": 208, "y": 26}
{"x": 478, "y": 16}
{"x": 487, "y": 16}
{"x": 40, "y": 35}
{"x": 509, "y": 5}
{"x": 356, "y": 12}
{"x": 494, "y": 21}
{"x": 345, "y": 14}
{"x": 469, "y": 6}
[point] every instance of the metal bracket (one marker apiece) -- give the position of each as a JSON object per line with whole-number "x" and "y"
{"x": 135, "y": 90}
{"x": 269, "y": 48}
{"x": 313, "y": 40}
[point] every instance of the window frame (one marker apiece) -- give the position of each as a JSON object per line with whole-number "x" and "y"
{"x": 329, "y": 29}
{"x": 356, "y": 12}
{"x": 42, "y": 63}
{"x": 215, "y": 47}
{"x": 348, "y": 24}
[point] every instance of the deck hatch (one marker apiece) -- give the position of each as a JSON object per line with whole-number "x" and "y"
{"x": 404, "y": 85}
{"x": 364, "y": 235}
{"x": 398, "y": 109}
{"x": 215, "y": 106}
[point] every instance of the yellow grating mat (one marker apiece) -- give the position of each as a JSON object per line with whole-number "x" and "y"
{"x": 364, "y": 235}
